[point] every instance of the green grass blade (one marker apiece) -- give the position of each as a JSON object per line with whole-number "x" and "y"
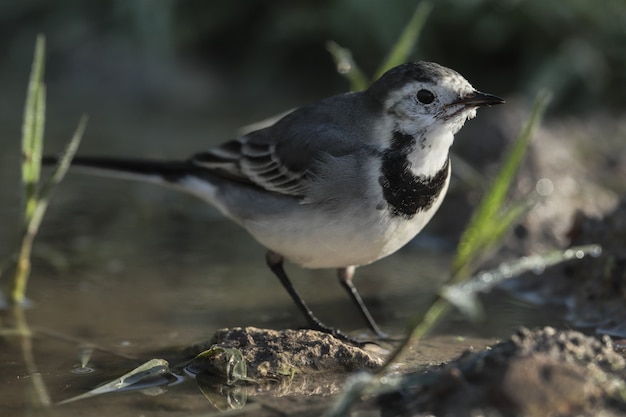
{"x": 57, "y": 175}
{"x": 33, "y": 128}
{"x": 500, "y": 229}
{"x": 509, "y": 218}
{"x": 347, "y": 67}
{"x": 22, "y": 272}
{"x": 65, "y": 159}
{"x": 418, "y": 328}
{"x": 399, "y": 54}
{"x": 490, "y": 221}
{"x": 406, "y": 43}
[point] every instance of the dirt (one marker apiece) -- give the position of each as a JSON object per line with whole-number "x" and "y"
{"x": 534, "y": 373}
{"x": 545, "y": 372}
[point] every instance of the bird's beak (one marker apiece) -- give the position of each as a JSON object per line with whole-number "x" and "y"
{"x": 477, "y": 99}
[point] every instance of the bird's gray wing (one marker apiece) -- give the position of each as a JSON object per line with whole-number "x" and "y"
{"x": 256, "y": 164}
{"x": 282, "y": 158}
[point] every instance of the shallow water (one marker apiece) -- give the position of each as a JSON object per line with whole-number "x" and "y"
{"x": 136, "y": 308}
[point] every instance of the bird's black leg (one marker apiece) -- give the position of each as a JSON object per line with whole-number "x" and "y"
{"x": 275, "y": 262}
{"x": 345, "y": 276}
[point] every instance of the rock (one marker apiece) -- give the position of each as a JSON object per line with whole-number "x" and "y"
{"x": 283, "y": 353}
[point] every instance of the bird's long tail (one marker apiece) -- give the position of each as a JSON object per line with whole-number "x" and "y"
{"x": 136, "y": 169}
{"x": 181, "y": 175}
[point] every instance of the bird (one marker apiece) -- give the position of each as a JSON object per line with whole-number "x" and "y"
{"x": 336, "y": 184}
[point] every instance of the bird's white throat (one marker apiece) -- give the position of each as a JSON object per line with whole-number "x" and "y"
{"x": 431, "y": 151}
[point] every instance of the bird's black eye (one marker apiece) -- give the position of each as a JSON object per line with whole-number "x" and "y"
{"x": 425, "y": 96}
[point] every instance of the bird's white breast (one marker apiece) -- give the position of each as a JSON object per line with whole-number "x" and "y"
{"x": 312, "y": 237}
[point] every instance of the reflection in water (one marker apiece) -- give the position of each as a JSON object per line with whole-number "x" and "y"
{"x": 221, "y": 396}
{"x": 216, "y": 380}
{"x": 227, "y": 364}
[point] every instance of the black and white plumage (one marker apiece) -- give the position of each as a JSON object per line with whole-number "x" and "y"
{"x": 336, "y": 184}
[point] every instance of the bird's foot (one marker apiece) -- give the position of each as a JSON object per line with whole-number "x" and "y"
{"x": 338, "y": 334}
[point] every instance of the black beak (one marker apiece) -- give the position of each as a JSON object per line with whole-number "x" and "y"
{"x": 478, "y": 99}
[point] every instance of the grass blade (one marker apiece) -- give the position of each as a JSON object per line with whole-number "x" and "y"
{"x": 399, "y": 54}
{"x": 144, "y": 372}
{"x": 490, "y": 221}
{"x": 347, "y": 67}
{"x": 33, "y": 128}
{"x": 18, "y": 292}
{"x": 406, "y": 43}
{"x": 36, "y": 197}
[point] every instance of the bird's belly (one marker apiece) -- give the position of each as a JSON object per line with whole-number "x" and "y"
{"x": 317, "y": 239}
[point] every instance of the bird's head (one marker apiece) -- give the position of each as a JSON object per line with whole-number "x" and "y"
{"x": 421, "y": 96}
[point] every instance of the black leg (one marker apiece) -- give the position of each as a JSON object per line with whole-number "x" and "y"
{"x": 345, "y": 276}
{"x": 275, "y": 262}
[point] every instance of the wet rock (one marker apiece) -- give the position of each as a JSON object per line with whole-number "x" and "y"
{"x": 284, "y": 353}
{"x": 540, "y": 373}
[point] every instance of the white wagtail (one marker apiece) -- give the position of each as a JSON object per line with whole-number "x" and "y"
{"x": 335, "y": 184}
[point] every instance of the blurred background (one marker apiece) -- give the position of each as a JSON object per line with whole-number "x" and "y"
{"x": 170, "y": 77}
{"x": 133, "y": 268}
{"x": 195, "y": 54}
